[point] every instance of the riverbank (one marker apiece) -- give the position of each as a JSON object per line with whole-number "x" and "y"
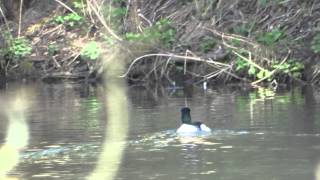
{"x": 252, "y": 42}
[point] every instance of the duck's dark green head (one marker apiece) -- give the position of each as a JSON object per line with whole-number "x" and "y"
{"x": 185, "y": 115}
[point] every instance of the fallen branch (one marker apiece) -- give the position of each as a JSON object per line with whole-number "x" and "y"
{"x": 198, "y": 59}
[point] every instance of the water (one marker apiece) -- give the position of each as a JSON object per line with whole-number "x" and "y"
{"x": 258, "y": 134}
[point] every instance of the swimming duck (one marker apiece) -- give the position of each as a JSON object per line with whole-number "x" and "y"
{"x": 188, "y": 126}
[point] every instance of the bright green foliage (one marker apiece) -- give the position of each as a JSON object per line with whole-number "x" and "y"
{"x": 161, "y": 31}
{"x": 315, "y": 44}
{"x": 91, "y": 51}
{"x": 291, "y": 67}
{"x": 241, "y": 64}
{"x": 134, "y": 36}
{"x": 270, "y": 38}
{"x": 70, "y": 19}
{"x": 19, "y": 48}
{"x": 245, "y": 65}
{"x": 208, "y": 44}
{"x": 78, "y": 5}
{"x": 263, "y": 73}
{"x": 252, "y": 70}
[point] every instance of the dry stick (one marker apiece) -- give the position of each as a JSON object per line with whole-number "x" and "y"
{"x": 90, "y": 13}
{"x": 155, "y": 66}
{"x": 248, "y": 60}
{"x": 273, "y": 71}
{"x": 5, "y": 19}
{"x": 66, "y": 6}
{"x": 83, "y": 9}
{"x": 20, "y": 18}
{"x": 102, "y": 21}
{"x": 173, "y": 56}
{"x": 51, "y": 30}
{"x": 232, "y": 36}
{"x": 185, "y": 63}
{"x": 56, "y": 62}
{"x": 165, "y": 67}
{"x": 75, "y": 57}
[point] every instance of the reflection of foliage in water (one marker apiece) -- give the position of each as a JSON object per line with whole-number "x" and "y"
{"x": 92, "y": 108}
{"x": 266, "y": 108}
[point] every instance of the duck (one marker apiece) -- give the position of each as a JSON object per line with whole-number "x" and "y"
{"x": 188, "y": 126}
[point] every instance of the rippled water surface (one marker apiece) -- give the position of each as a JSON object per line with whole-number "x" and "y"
{"x": 258, "y": 134}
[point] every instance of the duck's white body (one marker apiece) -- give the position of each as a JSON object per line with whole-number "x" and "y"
{"x": 190, "y": 128}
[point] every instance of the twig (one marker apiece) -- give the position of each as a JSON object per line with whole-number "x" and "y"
{"x": 273, "y": 71}
{"x": 5, "y": 20}
{"x": 20, "y": 18}
{"x": 248, "y": 60}
{"x": 66, "y": 6}
{"x": 173, "y": 56}
{"x": 102, "y": 21}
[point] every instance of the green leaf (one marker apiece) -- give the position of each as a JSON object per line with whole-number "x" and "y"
{"x": 91, "y": 50}
{"x": 260, "y": 75}
{"x": 252, "y": 70}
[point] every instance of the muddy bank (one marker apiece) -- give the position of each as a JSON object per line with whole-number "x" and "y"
{"x": 251, "y": 41}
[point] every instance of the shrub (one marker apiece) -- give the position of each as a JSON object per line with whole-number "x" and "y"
{"x": 19, "y": 48}
{"x": 91, "y": 51}
{"x": 270, "y": 38}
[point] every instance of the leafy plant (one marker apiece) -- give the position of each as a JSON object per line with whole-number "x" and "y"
{"x": 91, "y": 51}
{"x": 70, "y": 19}
{"x": 19, "y": 48}
{"x": 292, "y": 67}
{"x": 270, "y": 38}
{"x": 79, "y": 5}
{"x": 208, "y": 44}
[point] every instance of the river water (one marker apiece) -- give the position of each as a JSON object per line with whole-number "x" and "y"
{"x": 257, "y": 133}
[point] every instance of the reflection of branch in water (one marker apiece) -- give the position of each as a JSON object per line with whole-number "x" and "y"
{"x": 317, "y": 172}
{"x": 17, "y": 134}
{"x": 116, "y": 131}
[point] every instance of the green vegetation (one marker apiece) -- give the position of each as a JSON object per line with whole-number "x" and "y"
{"x": 91, "y": 51}
{"x": 270, "y": 38}
{"x": 70, "y": 19}
{"x": 207, "y": 36}
{"x": 291, "y": 67}
{"x": 19, "y": 48}
{"x": 208, "y": 44}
